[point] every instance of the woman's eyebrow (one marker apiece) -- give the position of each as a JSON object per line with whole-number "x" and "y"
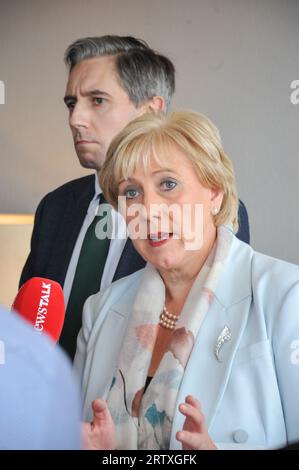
{"x": 164, "y": 170}
{"x": 156, "y": 172}
{"x": 128, "y": 180}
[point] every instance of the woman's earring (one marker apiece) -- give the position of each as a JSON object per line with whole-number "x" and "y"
{"x": 214, "y": 210}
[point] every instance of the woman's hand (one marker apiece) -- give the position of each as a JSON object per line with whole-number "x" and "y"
{"x": 194, "y": 434}
{"x": 100, "y": 433}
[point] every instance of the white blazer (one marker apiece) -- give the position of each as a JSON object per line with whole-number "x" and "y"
{"x": 251, "y": 398}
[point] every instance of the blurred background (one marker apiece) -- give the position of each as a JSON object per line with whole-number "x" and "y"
{"x": 235, "y": 62}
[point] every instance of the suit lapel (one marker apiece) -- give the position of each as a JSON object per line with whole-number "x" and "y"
{"x": 205, "y": 376}
{"x": 76, "y": 206}
{"x": 130, "y": 261}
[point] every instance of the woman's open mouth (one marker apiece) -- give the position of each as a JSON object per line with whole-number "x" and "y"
{"x": 158, "y": 239}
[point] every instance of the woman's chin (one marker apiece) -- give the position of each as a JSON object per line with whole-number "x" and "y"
{"x": 166, "y": 263}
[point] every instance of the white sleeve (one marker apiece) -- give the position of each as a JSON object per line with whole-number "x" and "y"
{"x": 286, "y": 356}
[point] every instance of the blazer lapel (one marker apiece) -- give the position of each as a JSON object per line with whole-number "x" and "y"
{"x": 206, "y": 376}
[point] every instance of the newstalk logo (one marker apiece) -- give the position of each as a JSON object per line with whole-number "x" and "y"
{"x": 43, "y": 307}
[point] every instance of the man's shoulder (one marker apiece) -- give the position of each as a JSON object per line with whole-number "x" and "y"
{"x": 77, "y": 186}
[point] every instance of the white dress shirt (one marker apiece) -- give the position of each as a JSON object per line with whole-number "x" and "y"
{"x": 117, "y": 243}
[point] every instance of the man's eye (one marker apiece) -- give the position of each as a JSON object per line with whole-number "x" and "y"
{"x": 98, "y": 100}
{"x": 131, "y": 193}
{"x": 167, "y": 185}
{"x": 70, "y": 105}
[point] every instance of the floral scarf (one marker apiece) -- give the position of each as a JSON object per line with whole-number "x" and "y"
{"x": 143, "y": 420}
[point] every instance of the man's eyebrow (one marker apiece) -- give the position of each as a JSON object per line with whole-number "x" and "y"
{"x": 95, "y": 93}
{"x": 73, "y": 98}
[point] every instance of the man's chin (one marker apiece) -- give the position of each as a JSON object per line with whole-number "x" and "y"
{"x": 89, "y": 162}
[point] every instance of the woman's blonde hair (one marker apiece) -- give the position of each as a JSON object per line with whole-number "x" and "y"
{"x": 194, "y": 134}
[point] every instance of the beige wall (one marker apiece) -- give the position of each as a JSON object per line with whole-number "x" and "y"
{"x": 14, "y": 245}
{"x": 235, "y": 61}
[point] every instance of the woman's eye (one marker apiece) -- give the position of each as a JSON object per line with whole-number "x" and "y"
{"x": 131, "y": 193}
{"x": 168, "y": 185}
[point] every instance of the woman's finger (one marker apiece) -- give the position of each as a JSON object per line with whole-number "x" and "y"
{"x": 191, "y": 400}
{"x": 101, "y": 414}
{"x": 193, "y": 415}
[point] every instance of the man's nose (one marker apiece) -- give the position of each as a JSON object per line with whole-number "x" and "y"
{"x": 79, "y": 116}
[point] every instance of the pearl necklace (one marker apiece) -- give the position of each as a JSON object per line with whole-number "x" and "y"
{"x": 168, "y": 320}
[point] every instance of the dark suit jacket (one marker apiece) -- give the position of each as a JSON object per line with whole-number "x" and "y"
{"x": 58, "y": 220}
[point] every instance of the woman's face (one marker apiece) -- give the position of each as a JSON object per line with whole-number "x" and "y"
{"x": 168, "y": 211}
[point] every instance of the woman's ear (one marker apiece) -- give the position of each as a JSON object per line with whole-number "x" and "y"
{"x": 216, "y": 199}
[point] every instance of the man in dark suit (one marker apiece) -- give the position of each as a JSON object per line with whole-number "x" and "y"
{"x": 112, "y": 80}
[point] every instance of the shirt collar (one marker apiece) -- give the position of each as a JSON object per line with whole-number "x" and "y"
{"x": 97, "y": 189}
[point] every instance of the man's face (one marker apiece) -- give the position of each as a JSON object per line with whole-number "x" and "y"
{"x": 99, "y": 108}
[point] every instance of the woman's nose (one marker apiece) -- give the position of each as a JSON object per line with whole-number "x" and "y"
{"x": 152, "y": 203}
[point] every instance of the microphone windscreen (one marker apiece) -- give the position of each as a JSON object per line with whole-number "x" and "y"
{"x": 40, "y": 301}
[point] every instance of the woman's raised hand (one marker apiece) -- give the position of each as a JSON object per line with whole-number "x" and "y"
{"x": 194, "y": 435}
{"x": 99, "y": 434}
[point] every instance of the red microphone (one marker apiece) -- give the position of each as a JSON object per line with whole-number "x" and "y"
{"x": 40, "y": 301}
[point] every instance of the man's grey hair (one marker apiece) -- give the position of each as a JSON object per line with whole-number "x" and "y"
{"x": 143, "y": 73}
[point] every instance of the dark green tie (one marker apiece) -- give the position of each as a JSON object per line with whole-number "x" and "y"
{"x": 88, "y": 275}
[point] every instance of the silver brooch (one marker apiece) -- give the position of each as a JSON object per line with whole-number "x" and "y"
{"x": 224, "y": 337}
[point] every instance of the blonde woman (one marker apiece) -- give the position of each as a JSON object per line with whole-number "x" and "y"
{"x": 198, "y": 349}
